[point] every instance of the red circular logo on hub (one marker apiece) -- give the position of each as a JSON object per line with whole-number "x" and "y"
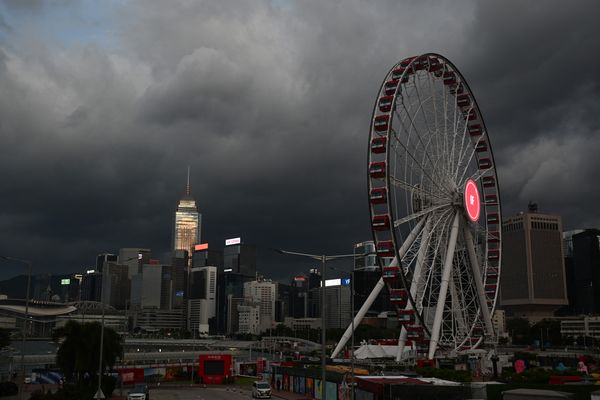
{"x": 472, "y": 203}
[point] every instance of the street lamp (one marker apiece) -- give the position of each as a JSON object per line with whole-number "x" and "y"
{"x": 28, "y": 264}
{"x": 323, "y": 258}
{"x": 352, "y": 323}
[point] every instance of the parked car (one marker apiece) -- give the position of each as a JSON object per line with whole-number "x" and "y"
{"x": 139, "y": 392}
{"x": 261, "y": 390}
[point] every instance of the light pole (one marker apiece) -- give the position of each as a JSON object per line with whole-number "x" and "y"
{"x": 23, "y": 331}
{"x": 352, "y": 323}
{"x": 323, "y": 258}
{"x": 99, "y": 394}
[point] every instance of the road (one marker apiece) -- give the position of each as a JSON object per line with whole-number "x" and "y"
{"x": 201, "y": 394}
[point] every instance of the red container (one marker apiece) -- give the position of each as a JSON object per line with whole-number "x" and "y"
{"x": 214, "y": 368}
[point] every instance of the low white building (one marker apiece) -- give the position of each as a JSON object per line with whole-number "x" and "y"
{"x": 581, "y": 326}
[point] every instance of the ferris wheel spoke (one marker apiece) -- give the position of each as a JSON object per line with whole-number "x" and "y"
{"x": 480, "y": 173}
{"x": 476, "y": 271}
{"x": 464, "y": 162}
{"x": 414, "y": 188}
{"x": 412, "y": 127}
{"x": 455, "y": 123}
{"x": 425, "y": 119}
{"x": 441, "y": 300}
{"x": 464, "y": 147}
{"x": 468, "y": 163}
{"x": 419, "y": 214}
{"x": 448, "y": 121}
{"x": 418, "y": 164}
{"x": 433, "y": 91}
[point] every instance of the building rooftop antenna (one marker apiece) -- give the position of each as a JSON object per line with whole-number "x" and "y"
{"x": 187, "y": 187}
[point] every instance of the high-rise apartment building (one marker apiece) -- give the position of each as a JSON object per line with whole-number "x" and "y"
{"x": 338, "y": 304}
{"x": 91, "y": 286}
{"x": 572, "y": 289}
{"x": 263, "y": 293}
{"x": 365, "y": 257}
{"x": 187, "y": 222}
{"x": 104, "y": 258}
{"x": 146, "y": 288}
{"x": 249, "y": 318}
{"x": 533, "y": 281}
{"x": 228, "y": 285}
{"x": 179, "y": 275}
{"x": 202, "y": 300}
{"x": 116, "y": 285}
{"x": 298, "y": 304}
{"x": 239, "y": 258}
{"x": 134, "y": 258}
{"x": 203, "y": 256}
{"x": 586, "y": 272}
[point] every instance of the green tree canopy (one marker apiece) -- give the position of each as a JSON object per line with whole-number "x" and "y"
{"x": 80, "y": 348}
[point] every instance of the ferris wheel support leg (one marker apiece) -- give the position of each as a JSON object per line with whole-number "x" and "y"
{"x": 414, "y": 284}
{"x": 485, "y": 312}
{"x": 441, "y": 301}
{"x": 378, "y": 286}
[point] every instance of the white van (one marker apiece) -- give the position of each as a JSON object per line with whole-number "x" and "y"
{"x": 261, "y": 390}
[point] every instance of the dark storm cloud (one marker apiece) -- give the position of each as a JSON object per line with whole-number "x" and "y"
{"x": 533, "y": 67}
{"x": 270, "y": 104}
{"x": 23, "y": 4}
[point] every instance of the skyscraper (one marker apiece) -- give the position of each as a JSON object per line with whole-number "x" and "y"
{"x": 239, "y": 258}
{"x": 263, "y": 293}
{"x": 533, "y": 274}
{"x": 586, "y": 272}
{"x": 187, "y": 222}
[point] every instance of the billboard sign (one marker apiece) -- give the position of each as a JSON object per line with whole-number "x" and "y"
{"x": 333, "y": 282}
{"x": 65, "y": 282}
{"x": 202, "y": 246}
{"x": 233, "y": 241}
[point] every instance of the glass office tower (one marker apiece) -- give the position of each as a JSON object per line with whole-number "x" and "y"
{"x": 186, "y": 227}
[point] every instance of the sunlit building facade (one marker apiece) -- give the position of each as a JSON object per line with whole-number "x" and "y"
{"x": 186, "y": 227}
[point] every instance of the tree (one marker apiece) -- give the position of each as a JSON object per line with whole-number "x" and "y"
{"x": 4, "y": 338}
{"x": 549, "y": 330}
{"x": 79, "y": 349}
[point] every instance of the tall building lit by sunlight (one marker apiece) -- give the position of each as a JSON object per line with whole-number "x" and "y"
{"x": 187, "y": 222}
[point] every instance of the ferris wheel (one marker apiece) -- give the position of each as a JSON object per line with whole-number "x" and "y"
{"x": 435, "y": 208}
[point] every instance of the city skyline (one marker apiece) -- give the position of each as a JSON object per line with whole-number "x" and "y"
{"x": 104, "y": 105}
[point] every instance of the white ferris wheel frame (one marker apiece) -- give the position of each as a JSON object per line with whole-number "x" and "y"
{"x": 427, "y": 139}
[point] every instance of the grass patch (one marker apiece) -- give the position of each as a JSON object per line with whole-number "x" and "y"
{"x": 245, "y": 380}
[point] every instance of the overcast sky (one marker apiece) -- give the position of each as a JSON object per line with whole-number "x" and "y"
{"x": 103, "y": 104}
